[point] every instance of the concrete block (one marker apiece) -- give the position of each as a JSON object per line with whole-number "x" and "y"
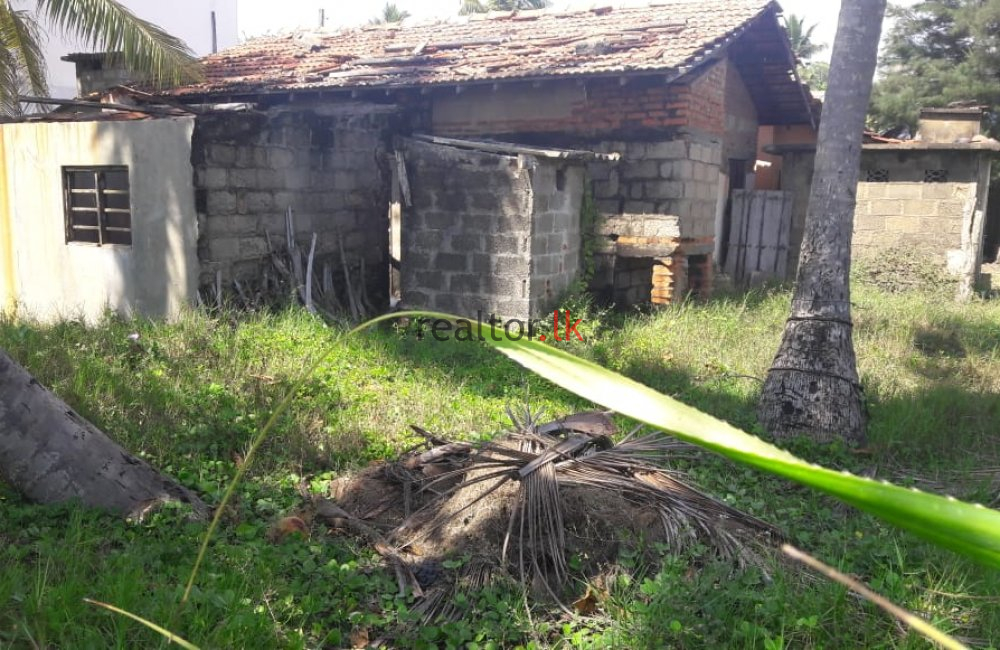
{"x": 427, "y": 240}
{"x": 606, "y": 189}
{"x": 904, "y": 190}
{"x": 636, "y": 150}
{"x": 920, "y": 207}
{"x": 221, "y": 202}
{"x": 902, "y": 224}
{"x": 640, "y": 207}
{"x": 466, "y": 243}
{"x": 243, "y": 178}
{"x": 259, "y": 202}
{"x": 885, "y": 207}
{"x": 482, "y": 263}
{"x": 510, "y": 265}
{"x": 867, "y": 223}
{"x": 296, "y": 178}
{"x": 465, "y": 283}
{"x": 253, "y": 247}
{"x": 223, "y": 249}
{"x": 671, "y": 149}
{"x": 660, "y": 190}
{"x": 683, "y": 170}
{"x": 345, "y": 182}
{"x": 433, "y": 280}
{"x": 452, "y": 262}
{"x": 223, "y": 155}
{"x": 280, "y": 158}
{"x": 938, "y": 190}
{"x": 876, "y": 190}
{"x": 213, "y": 178}
{"x": 951, "y": 208}
{"x": 645, "y": 170}
{"x": 506, "y": 244}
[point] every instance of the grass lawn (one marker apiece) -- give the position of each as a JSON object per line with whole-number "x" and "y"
{"x": 191, "y": 395}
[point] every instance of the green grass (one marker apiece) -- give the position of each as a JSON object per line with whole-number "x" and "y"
{"x": 191, "y": 395}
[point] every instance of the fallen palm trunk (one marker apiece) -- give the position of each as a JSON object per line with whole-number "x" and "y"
{"x": 50, "y": 454}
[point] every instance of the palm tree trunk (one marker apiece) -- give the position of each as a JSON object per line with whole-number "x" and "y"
{"x": 50, "y": 454}
{"x": 812, "y": 387}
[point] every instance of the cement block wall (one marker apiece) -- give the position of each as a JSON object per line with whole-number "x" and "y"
{"x": 487, "y": 233}
{"x": 673, "y": 177}
{"x": 557, "y": 198}
{"x": 323, "y": 162}
{"x": 47, "y": 278}
{"x": 908, "y": 212}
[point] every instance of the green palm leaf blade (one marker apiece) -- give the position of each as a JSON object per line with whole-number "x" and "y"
{"x": 970, "y": 529}
{"x": 108, "y": 25}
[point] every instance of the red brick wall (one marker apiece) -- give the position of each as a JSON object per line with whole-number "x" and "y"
{"x": 601, "y": 108}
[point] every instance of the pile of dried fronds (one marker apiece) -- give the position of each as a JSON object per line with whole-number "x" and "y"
{"x": 519, "y": 506}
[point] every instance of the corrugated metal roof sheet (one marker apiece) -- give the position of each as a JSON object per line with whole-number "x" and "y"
{"x": 494, "y": 47}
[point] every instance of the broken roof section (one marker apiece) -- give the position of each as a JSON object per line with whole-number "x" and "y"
{"x": 670, "y": 37}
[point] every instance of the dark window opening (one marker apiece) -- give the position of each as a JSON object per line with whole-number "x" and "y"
{"x": 877, "y": 176}
{"x": 935, "y": 175}
{"x": 98, "y": 205}
{"x": 560, "y": 180}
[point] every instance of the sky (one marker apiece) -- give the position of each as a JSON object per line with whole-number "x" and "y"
{"x": 259, "y": 16}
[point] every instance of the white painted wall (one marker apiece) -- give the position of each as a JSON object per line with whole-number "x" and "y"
{"x": 190, "y": 20}
{"x": 45, "y": 277}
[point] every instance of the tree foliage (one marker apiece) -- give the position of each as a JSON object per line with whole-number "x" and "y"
{"x": 938, "y": 53}
{"x": 482, "y": 6}
{"x": 390, "y": 14}
{"x": 801, "y": 38}
{"x": 103, "y": 25}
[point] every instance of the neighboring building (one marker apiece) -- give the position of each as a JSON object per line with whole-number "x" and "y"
{"x": 926, "y": 199}
{"x": 679, "y": 90}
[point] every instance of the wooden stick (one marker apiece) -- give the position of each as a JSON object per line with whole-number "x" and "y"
{"x": 351, "y": 299}
{"x": 914, "y": 621}
{"x": 309, "y": 277}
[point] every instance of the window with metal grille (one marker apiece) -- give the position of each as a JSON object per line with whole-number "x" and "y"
{"x": 877, "y": 176}
{"x": 935, "y": 175}
{"x": 98, "y": 206}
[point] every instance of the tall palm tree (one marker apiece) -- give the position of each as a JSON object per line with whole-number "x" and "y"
{"x": 390, "y": 14}
{"x": 801, "y": 37}
{"x": 813, "y": 388}
{"x": 106, "y": 25}
{"x": 482, "y": 6}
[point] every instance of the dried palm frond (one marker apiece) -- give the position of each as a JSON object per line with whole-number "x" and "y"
{"x": 521, "y": 502}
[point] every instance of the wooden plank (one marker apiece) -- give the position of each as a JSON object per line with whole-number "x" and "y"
{"x": 769, "y": 234}
{"x": 507, "y": 148}
{"x": 737, "y": 235}
{"x": 784, "y": 235}
{"x": 404, "y": 180}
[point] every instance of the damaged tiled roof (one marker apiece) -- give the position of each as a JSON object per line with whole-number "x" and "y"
{"x": 494, "y": 47}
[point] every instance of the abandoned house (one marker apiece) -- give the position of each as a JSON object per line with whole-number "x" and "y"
{"x": 457, "y": 153}
{"x": 924, "y": 200}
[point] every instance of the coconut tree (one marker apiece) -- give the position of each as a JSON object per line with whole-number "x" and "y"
{"x": 390, "y": 14}
{"x": 105, "y": 25}
{"x": 800, "y": 36}
{"x": 50, "y": 454}
{"x": 813, "y": 387}
{"x": 482, "y": 6}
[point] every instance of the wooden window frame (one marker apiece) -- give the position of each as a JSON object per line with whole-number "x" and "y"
{"x": 100, "y": 192}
